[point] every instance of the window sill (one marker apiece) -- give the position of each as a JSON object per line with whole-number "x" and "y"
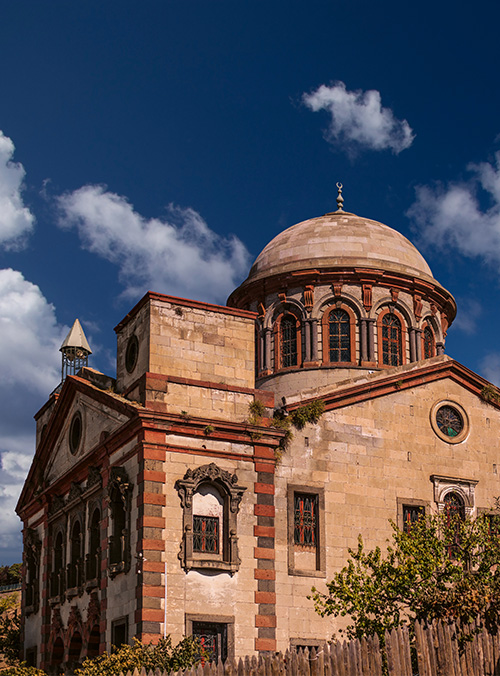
{"x": 211, "y": 564}
{"x": 306, "y": 573}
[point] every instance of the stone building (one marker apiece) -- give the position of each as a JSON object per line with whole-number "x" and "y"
{"x": 159, "y": 501}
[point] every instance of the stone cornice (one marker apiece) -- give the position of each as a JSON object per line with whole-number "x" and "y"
{"x": 257, "y": 290}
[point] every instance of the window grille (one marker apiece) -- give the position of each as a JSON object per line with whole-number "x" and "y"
{"x": 206, "y": 534}
{"x": 428, "y": 343}
{"x": 391, "y": 340}
{"x": 412, "y": 514}
{"x": 288, "y": 331}
{"x": 340, "y": 336}
{"x": 213, "y": 640}
{"x": 305, "y": 520}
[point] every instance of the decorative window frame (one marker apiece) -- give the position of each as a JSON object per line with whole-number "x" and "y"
{"x": 227, "y": 560}
{"x": 325, "y": 325}
{"x": 391, "y": 311}
{"x": 119, "y": 484}
{"x": 57, "y": 578}
{"x": 411, "y": 502}
{"x": 453, "y": 404}
{"x": 228, "y": 620}
{"x": 465, "y": 488}
{"x": 319, "y": 492}
{"x": 277, "y": 341}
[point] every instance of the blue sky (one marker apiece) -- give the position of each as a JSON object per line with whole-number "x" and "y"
{"x": 160, "y": 145}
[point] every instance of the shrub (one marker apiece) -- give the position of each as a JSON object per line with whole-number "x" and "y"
{"x": 162, "y": 656}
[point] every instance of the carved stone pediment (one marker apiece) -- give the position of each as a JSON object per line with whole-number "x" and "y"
{"x": 211, "y": 473}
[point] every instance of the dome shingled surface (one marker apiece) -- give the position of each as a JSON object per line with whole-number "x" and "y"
{"x": 339, "y": 240}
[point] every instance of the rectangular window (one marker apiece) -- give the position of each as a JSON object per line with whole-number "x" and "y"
{"x": 306, "y": 531}
{"x": 119, "y": 632}
{"x": 213, "y": 639}
{"x": 411, "y": 514}
{"x": 206, "y": 534}
{"x": 305, "y": 520}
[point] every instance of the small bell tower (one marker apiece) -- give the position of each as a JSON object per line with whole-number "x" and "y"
{"x": 75, "y": 351}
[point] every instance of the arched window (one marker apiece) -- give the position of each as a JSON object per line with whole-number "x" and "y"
{"x": 120, "y": 494}
{"x": 429, "y": 343}
{"x": 210, "y": 498}
{"x": 455, "y": 511}
{"x": 287, "y": 342}
{"x": 94, "y": 555}
{"x": 338, "y": 336}
{"x": 75, "y": 563}
{"x": 454, "y": 506}
{"x": 209, "y": 524}
{"x": 57, "y": 574}
{"x": 390, "y": 335}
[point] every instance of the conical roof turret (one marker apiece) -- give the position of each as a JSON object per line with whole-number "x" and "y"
{"x": 76, "y": 339}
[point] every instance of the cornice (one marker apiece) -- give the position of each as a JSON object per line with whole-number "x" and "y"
{"x": 401, "y": 378}
{"x": 256, "y": 290}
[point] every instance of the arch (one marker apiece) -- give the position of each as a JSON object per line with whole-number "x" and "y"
{"x": 435, "y": 326}
{"x": 57, "y": 654}
{"x": 93, "y": 566}
{"x": 287, "y": 341}
{"x": 346, "y": 299}
{"x": 75, "y": 648}
{"x": 280, "y": 307}
{"x": 75, "y": 555}
{"x": 94, "y": 642}
{"x": 454, "y": 505}
{"x": 339, "y": 335}
{"x": 391, "y": 338}
{"x": 57, "y": 577}
{"x": 428, "y": 341}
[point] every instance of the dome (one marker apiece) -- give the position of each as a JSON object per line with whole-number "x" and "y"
{"x": 339, "y": 240}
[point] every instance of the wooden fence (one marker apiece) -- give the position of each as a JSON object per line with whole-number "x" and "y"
{"x": 435, "y": 652}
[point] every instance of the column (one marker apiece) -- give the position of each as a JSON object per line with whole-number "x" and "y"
{"x": 363, "y": 340}
{"x": 307, "y": 340}
{"x": 314, "y": 341}
{"x": 370, "y": 325}
{"x": 418, "y": 343}
{"x": 439, "y": 348}
{"x": 413, "y": 349}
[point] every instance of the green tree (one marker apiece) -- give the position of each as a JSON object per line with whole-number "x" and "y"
{"x": 443, "y": 568}
{"x": 163, "y": 656}
{"x": 10, "y": 628}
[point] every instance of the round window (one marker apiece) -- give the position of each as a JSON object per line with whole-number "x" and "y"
{"x": 132, "y": 353}
{"x": 75, "y": 433}
{"x": 450, "y": 422}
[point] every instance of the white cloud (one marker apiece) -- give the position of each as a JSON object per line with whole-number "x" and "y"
{"x": 30, "y": 360}
{"x": 468, "y": 314}
{"x": 358, "y": 119}
{"x": 178, "y": 255}
{"x": 16, "y": 220}
{"x": 490, "y": 368}
{"x": 451, "y": 217}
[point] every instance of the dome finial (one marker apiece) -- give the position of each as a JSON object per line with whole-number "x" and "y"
{"x": 340, "y": 199}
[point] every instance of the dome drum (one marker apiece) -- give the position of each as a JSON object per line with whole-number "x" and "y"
{"x": 340, "y": 293}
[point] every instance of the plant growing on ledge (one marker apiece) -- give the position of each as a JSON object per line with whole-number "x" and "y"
{"x": 209, "y": 429}
{"x": 491, "y": 394}
{"x": 309, "y": 413}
